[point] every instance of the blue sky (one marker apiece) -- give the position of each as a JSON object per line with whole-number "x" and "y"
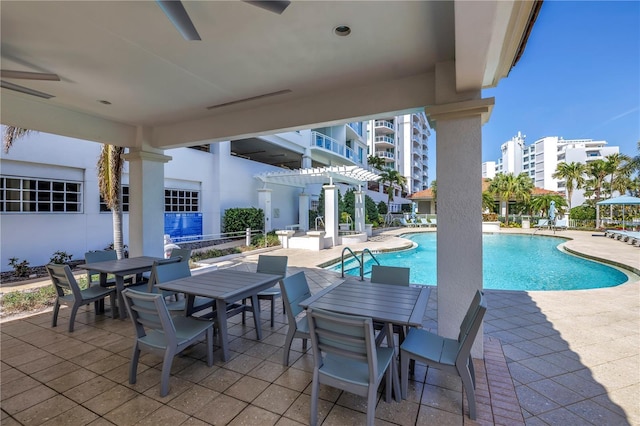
{"x": 579, "y": 77}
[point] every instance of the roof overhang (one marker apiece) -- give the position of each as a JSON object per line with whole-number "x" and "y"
{"x": 300, "y": 178}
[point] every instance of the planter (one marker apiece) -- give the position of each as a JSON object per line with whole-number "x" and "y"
{"x": 490, "y": 226}
{"x": 344, "y": 227}
{"x": 368, "y": 229}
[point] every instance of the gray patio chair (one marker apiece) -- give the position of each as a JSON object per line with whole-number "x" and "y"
{"x": 69, "y": 293}
{"x": 157, "y": 331}
{"x": 395, "y": 275}
{"x": 276, "y": 265}
{"x": 184, "y": 253}
{"x": 172, "y": 269}
{"x": 294, "y": 290}
{"x": 449, "y": 355}
{"x": 346, "y": 357}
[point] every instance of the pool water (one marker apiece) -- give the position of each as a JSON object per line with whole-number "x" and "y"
{"x": 511, "y": 262}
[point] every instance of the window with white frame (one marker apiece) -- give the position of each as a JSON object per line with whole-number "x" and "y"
{"x": 31, "y": 195}
{"x": 181, "y": 200}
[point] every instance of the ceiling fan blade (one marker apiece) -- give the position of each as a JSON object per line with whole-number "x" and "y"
{"x": 275, "y": 6}
{"x": 26, "y": 90}
{"x": 26, "y": 75}
{"x": 178, "y": 16}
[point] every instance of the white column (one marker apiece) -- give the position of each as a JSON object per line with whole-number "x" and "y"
{"x": 303, "y": 211}
{"x": 264, "y": 202}
{"x": 459, "y": 243}
{"x": 146, "y": 202}
{"x": 359, "y": 211}
{"x": 331, "y": 214}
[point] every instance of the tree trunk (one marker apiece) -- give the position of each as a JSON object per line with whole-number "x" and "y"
{"x": 116, "y": 214}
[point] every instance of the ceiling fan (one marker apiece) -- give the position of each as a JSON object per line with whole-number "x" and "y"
{"x": 26, "y": 75}
{"x": 175, "y": 11}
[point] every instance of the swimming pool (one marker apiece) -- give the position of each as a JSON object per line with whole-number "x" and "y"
{"x": 511, "y": 262}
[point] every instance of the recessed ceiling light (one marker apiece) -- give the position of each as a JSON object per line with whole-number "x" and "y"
{"x": 102, "y": 101}
{"x": 342, "y": 30}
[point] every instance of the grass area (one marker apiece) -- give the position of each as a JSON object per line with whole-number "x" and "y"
{"x": 31, "y": 300}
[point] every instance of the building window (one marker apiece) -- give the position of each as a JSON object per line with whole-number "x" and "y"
{"x": 20, "y": 195}
{"x": 180, "y": 200}
{"x": 125, "y": 201}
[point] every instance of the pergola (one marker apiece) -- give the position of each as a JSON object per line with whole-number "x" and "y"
{"x": 121, "y": 73}
{"x": 300, "y": 178}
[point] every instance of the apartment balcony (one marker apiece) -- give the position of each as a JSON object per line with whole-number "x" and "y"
{"x": 329, "y": 150}
{"x": 356, "y": 127}
{"x": 388, "y": 157}
{"x": 384, "y": 142}
{"x": 384, "y": 127}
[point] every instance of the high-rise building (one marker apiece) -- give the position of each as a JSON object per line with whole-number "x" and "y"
{"x": 402, "y": 142}
{"x": 540, "y": 160}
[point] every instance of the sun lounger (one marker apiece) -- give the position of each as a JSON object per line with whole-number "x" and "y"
{"x": 562, "y": 224}
{"x": 542, "y": 223}
{"x": 424, "y": 222}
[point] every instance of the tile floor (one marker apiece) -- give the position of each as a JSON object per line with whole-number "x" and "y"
{"x": 550, "y": 358}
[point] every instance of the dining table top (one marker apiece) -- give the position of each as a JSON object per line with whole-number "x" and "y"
{"x": 222, "y": 284}
{"x": 122, "y": 266}
{"x": 403, "y": 305}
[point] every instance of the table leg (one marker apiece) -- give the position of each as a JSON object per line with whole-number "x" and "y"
{"x": 391, "y": 342}
{"x": 122, "y": 311}
{"x": 221, "y": 308}
{"x": 255, "y": 305}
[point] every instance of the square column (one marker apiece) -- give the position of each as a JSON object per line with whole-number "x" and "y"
{"x": 264, "y": 202}
{"x": 331, "y": 214}
{"x": 146, "y": 202}
{"x": 359, "y": 211}
{"x": 303, "y": 211}
{"x": 459, "y": 242}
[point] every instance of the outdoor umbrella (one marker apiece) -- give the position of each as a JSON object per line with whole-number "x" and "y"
{"x": 623, "y": 200}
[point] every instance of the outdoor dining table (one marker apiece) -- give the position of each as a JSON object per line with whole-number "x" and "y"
{"x": 120, "y": 268}
{"x": 386, "y": 303}
{"x": 226, "y": 286}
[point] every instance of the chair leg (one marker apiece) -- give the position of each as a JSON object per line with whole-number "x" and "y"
{"x": 467, "y": 384}
{"x": 315, "y": 390}
{"x": 472, "y": 371}
{"x": 287, "y": 346}
{"x": 389, "y": 383}
{"x": 72, "y": 317}
{"x": 166, "y": 371}
{"x": 404, "y": 374}
{"x": 133, "y": 367}
{"x": 56, "y": 309}
{"x": 371, "y": 405}
{"x": 209, "y": 343}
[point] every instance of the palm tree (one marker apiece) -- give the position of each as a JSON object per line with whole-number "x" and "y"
{"x": 110, "y": 165}
{"x": 488, "y": 201}
{"x": 12, "y": 134}
{"x": 541, "y": 203}
{"x": 598, "y": 171}
{"x": 508, "y": 186}
{"x": 619, "y": 168}
{"x": 375, "y": 161}
{"x": 391, "y": 178}
{"x": 573, "y": 175}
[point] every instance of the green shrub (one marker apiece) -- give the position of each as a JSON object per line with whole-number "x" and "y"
{"x": 20, "y": 269}
{"x": 583, "y": 213}
{"x": 489, "y": 217}
{"x": 239, "y": 219}
{"x": 258, "y": 241}
{"x": 60, "y": 257}
{"x": 382, "y": 208}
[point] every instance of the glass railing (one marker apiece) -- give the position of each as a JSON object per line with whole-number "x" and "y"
{"x": 320, "y": 140}
{"x": 384, "y": 123}
{"x": 386, "y": 139}
{"x": 357, "y": 126}
{"x": 385, "y": 154}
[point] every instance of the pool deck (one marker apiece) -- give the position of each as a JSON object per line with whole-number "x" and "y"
{"x": 551, "y": 358}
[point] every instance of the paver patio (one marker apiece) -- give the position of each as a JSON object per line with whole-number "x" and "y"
{"x": 550, "y": 358}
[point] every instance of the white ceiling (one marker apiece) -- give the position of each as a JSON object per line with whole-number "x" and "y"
{"x": 160, "y": 85}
